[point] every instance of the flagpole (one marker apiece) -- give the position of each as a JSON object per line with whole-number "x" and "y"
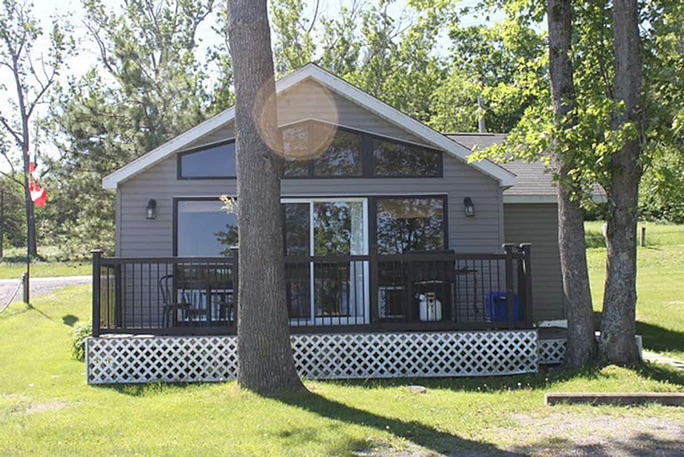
{"x": 27, "y": 279}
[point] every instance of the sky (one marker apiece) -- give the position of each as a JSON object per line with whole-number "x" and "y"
{"x": 88, "y": 54}
{"x": 44, "y": 9}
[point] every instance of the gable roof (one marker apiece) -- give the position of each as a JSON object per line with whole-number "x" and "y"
{"x": 533, "y": 183}
{"x": 335, "y": 84}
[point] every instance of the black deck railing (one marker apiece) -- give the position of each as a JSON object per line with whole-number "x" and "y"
{"x": 417, "y": 291}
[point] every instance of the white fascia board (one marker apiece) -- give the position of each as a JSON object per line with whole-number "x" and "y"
{"x": 142, "y": 163}
{"x": 505, "y": 178}
{"x": 526, "y": 199}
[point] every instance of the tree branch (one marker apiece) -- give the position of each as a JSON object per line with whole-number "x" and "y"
{"x": 16, "y": 135}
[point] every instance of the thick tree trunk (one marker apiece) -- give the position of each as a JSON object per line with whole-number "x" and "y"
{"x": 617, "y": 344}
{"x": 581, "y": 342}
{"x": 265, "y": 363}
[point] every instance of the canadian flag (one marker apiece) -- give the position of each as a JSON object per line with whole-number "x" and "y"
{"x": 38, "y": 194}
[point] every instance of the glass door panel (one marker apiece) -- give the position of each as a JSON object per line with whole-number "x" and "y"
{"x": 339, "y": 228}
{"x": 339, "y": 290}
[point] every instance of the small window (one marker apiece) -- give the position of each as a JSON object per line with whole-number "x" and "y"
{"x": 402, "y": 160}
{"x": 410, "y": 224}
{"x": 217, "y": 161}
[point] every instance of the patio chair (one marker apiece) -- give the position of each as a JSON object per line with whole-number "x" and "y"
{"x": 179, "y": 305}
{"x": 431, "y": 280}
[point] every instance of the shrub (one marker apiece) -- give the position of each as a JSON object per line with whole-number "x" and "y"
{"x": 82, "y": 332}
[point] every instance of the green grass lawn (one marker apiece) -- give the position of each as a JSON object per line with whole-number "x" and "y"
{"x": 14, "y": 270}
{"x": 47, "y": 409}
{"x": 13, "y": 265}
{"x": 657, "y": 234}
{"x": 660, "y": 302}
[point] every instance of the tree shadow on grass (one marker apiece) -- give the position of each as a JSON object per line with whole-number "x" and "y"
{"x": 662, "y": 373}
{"x": 660, "y": 339}
{"x": 655, "y": 337}
{"x": 149, "y": 389}
{"x": 415, "y": 432}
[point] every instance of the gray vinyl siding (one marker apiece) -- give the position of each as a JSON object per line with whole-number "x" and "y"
{"x": 137, "y": 236}
{"x": 538, "y": 224}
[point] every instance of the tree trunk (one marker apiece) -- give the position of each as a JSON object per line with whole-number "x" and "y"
{"x": 265, "y": 363}
{"x": 581, "y": 347}
{"x": 617, "y": 344}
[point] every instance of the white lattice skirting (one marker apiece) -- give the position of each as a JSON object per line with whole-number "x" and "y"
{"x": 552, "y": 351}
{"x": 112, "y": 360}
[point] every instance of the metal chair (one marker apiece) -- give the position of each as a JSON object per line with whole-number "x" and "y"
{"x": 432, "y": 277}
{"x": 177, "y": 306}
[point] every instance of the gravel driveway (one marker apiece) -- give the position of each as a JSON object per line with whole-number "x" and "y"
{"x": 39, "y": 286}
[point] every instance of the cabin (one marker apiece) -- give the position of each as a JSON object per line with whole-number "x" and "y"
{"x": 403, "y": 259}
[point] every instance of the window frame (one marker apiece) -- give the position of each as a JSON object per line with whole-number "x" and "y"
{"x": 373, "y": 214}
{"x": 310, "y": 163}
{"x": 174, "y": 217}
{"x": 368, "y": 162}
{"x": 373, "y": 163}
{"x": 204, "y": 147}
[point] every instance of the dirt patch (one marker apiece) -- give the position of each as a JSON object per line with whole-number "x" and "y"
{"x": 43, "y": 407}
{"x": 600, "y": 434}
{"x": 567, "y": 434}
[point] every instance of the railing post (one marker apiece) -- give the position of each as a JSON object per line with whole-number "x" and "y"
{"x": 526, "y": 249}
{"x": 97, "y": 266}
{"x": 374, "y": 292}
{"x": 510, "y": 303}
{"x": 235, "y": 252}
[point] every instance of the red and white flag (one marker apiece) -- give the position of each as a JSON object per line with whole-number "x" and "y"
{"x": 38, "y": 193}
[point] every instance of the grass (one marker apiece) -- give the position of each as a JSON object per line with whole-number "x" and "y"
{"x": 46, "y": 408}
{"x": 660, "y": 306}
{"x": 13, "y": 265}
{"x": 660, "y": 303}
{"x": 657, "y": 234}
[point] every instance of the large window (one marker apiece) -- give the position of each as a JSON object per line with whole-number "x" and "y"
{"x": 401, "y": 160}
{"x": 204, "y": 229}
{"x": 216, "y": 161}
{"x": 319, "y": 150}
{"x": 410, "y": 224}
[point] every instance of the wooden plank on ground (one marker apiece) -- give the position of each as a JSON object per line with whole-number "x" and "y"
{"x": 617, "y": 399}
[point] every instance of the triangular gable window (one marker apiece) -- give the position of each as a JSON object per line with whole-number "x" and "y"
{"x": 319, "y": 150}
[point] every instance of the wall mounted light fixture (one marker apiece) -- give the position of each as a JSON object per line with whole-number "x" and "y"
{"x": 469, "y": 207}
{"x": 151, "y": 209}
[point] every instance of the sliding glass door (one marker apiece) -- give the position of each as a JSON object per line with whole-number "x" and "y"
{"x": 332, "y": 290}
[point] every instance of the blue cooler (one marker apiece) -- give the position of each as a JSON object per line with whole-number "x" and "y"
{"x": 497, "y": 307}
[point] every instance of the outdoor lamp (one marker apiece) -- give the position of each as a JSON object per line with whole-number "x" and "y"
{"x": 469, "y": 207}
{"x": 151, "y": 209}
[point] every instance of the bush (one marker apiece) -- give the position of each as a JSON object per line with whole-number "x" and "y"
{"x": 82, "y": 332}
